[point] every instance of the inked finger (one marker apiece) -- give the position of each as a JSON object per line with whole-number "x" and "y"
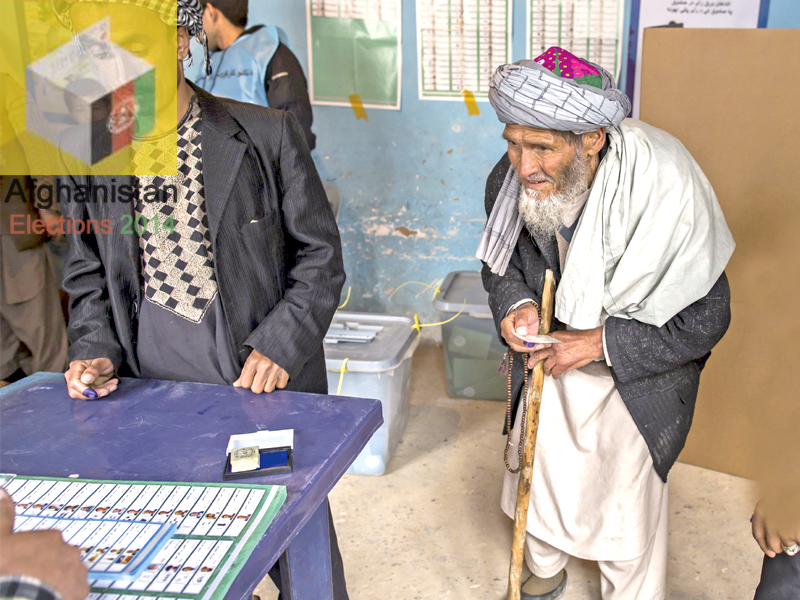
{"x": 74, "y": 386}
{"x": 76, "y": 389}
{"x": 519, "y": 348}
{"x": 516, "y": 344}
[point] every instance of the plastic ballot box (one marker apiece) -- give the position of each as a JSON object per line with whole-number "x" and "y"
{"x": 369, "y": 356}
{"x": 472, "y": 350}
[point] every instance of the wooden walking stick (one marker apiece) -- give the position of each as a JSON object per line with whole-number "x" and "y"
{"x": 533, "y": 402}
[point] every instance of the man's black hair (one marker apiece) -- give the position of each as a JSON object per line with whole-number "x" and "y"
{"x": 234, "y": 10}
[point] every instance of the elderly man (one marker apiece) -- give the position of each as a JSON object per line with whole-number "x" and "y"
{"x": 630, "y": 227}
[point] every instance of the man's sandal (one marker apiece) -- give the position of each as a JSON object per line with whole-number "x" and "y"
{"x": 550, "y": 588}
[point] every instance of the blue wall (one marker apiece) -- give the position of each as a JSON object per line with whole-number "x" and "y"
{"x": 784, "y": 14}
{"x": 422, "y": 168}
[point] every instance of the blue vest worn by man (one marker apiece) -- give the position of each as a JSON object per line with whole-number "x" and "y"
{"x": 240, "y": 69}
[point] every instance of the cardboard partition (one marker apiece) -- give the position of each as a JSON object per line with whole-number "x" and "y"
{"x": 732, "y": 96}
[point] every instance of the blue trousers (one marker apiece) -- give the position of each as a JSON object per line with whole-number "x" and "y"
{"x": 780, "y": 578}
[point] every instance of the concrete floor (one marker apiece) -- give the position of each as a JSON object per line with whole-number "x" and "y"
{"x": 432, "y": 527}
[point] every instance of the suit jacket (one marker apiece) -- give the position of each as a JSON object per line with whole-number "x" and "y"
{"x": 277, "y": 254}
{"x": 656, "y": 369}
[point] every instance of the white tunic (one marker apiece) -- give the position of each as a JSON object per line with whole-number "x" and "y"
{"x": 595, "y": 493}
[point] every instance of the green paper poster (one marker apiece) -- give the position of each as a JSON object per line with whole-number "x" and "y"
{"x": 354, "y": 48}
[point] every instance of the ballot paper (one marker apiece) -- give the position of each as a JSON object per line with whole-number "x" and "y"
{"x": 111, "y": 550}
{"x": 539, "y": 339}
{"x": 279, "y": 438}
{"x": 149, "y": 539}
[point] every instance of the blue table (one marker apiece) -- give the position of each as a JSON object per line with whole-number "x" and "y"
{"x": 152, "y": 430}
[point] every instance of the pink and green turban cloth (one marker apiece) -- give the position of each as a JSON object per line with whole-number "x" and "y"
{"x": 557, "y": 91}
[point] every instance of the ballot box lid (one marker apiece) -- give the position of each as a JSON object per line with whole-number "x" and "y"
{"x": 463, "y": 291}
{"x": 371, "y": 343}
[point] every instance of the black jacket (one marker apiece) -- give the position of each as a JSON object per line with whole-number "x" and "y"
{"x": 277, "y": 254}
{"x": 656, "y": 369}
{"x": 287, "y": 89}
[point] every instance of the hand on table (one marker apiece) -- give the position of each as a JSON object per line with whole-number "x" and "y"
{"x": 94, "y": 374}
{"x": 577, "y": 349}
{"x": 771, "y": 533}
{"x": 523, "y": 321}
{"x": 260, "y": 374}
{"x": 42, "y": 555}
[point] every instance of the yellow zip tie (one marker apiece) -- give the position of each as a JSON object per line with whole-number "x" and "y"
{"x": 346, "y": 300}
{"x": 427, "y": 286}
{"x": 418, "y": 326}
{"x": 342, "y": 371}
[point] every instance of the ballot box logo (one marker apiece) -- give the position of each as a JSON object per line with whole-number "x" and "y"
{"x": 93, "y": 96}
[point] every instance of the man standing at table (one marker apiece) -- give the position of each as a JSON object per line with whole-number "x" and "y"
{"x": 630, "y": 227}
{"x": 254, "y": 64}
{"x": 239, "y": 282}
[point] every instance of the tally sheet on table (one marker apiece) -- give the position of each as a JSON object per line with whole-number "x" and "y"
{"x": 216, "y": 529}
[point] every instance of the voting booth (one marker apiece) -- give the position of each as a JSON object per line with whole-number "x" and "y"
{"x": 744, "y": 135}
{"x": 472, "y": 350}
{"x": 369, "y": 356}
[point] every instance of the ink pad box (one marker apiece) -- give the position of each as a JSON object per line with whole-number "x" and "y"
{"x": 274, "y": 461}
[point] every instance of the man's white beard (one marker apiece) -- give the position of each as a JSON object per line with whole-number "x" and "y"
{"x": 544, "y": 216}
